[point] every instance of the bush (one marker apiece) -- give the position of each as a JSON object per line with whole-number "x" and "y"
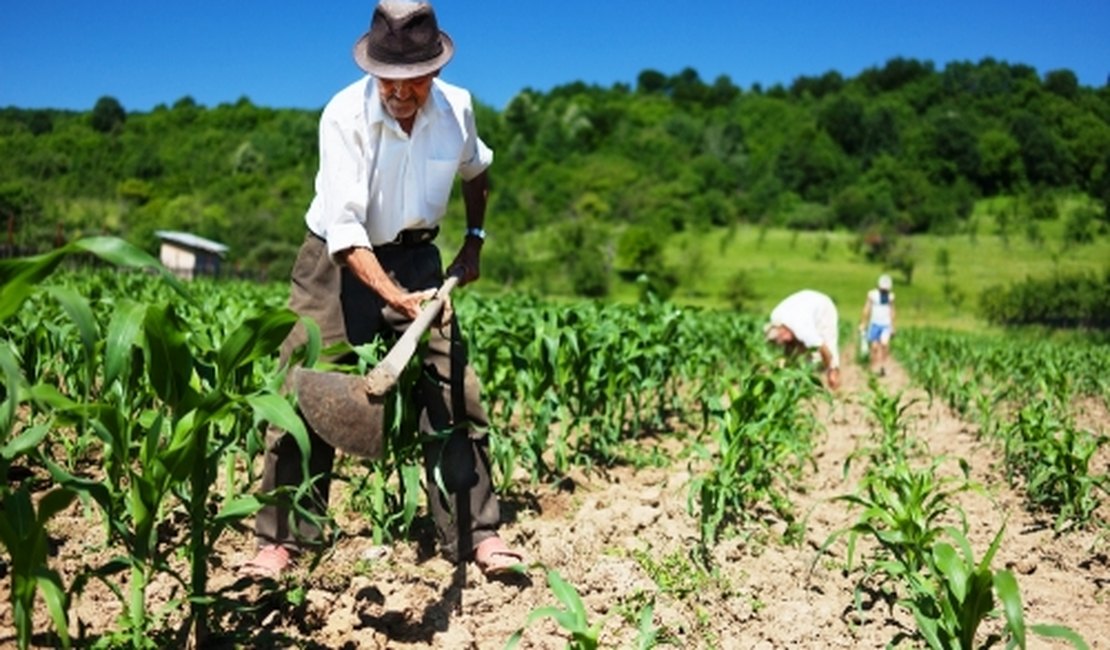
{"x": 1058, "y": 301}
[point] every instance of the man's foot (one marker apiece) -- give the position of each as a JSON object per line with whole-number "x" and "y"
{"x": 270, "y": 562}
{"x": 493, "y": 557}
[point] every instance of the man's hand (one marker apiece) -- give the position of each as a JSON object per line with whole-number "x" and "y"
{"x": 410, "y": 304}
{"x": 833, "y": 377}
{"x": 467, "y": 264}
{"x": 364, "y": 264}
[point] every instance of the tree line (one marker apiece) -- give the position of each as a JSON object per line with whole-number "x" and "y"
{"x": 905, "y": 147}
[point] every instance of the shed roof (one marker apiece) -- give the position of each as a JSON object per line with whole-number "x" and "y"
{"x": 192, "y": 241}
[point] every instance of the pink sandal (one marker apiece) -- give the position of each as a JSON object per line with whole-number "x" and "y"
{"x": 270, "y": 562}
{"x": 494, "y": 557}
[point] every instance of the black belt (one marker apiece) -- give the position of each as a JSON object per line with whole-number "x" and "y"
{"x": 412, "y": 237}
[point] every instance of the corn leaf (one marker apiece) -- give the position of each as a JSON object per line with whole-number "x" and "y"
{"x": 953, "y": 569}
{"x": 82, "y": 316}
{"x": 122, "y": 253}
{"x": 238, "y": 509}
{"x": 568, "y": 596}
{"x": 1007, "y": 589}
{"x": 50, "y": 586}
{"x": 170, "y": 363}
{"x": 275, "y": 409}
{"x": 20, "y": 277}
{"x": 122, "y": 336}
{"x": 1060, "y": 632}
{"x": 13, "y": 382}
{"x": 27, "y": 440}
{"x": 256, "y": 338}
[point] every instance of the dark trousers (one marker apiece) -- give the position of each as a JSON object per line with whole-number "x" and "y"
{"x": 346, "y": 310}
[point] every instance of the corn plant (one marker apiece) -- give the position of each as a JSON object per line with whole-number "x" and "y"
{"x": 891, "y": 428}
{"x": 166, "y": 415}
{"x": 1054, "y": 458}
{"x": 22, "y": 528}
{"x": 24, "y": 532}
{"x": 762, "y": 435}
{"x": 388, "y": 493}
{"x": 571, "y": 616}
{"x": 165, "y": 432}
{"x": 953, "y": 595}
{"x": 903, "y": 510}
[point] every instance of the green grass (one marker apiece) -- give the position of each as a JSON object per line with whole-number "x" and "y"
{"x": 779, "y": 262}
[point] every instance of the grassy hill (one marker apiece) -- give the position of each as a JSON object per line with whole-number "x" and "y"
{"x": 777, "y": 262}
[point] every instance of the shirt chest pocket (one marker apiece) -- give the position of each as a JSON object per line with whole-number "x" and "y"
{"x": 439, "y": 178}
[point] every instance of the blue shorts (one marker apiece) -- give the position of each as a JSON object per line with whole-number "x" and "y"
{"x": 879, "y": 334}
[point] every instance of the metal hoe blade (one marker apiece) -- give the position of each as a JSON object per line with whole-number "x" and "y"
{"x": 348, "y": 411}
{"x": 341, "y": 410}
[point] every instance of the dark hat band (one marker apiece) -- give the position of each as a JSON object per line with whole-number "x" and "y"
{"x": 403, "y": 57}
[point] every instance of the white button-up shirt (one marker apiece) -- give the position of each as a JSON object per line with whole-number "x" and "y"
{"x": 375, "y": 180}
{"x": 812, "y": 317}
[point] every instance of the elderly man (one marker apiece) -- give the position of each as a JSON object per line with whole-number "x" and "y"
{"x": 391, "y": 145}
{"x": 808, "y": 320}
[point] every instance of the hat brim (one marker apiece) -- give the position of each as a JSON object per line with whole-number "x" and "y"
{"x": 406, "y": 70}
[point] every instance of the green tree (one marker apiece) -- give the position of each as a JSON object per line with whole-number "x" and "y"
{"x": 812, "y": 165}
{"x": 1063, "y": 83}
{"x": 1000, "y": 165}
{"x": 1043, "y": 155}
{"x": 108, "y": 115}
{"x": 843, "y": 119}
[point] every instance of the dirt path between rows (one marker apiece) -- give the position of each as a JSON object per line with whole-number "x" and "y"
{"x": 608, "y": 533}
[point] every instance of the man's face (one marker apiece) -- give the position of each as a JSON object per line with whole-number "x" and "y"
{"x": 402, "y": 98}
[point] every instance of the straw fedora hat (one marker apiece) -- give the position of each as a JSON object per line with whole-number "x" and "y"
{"x": 404, "y": 41}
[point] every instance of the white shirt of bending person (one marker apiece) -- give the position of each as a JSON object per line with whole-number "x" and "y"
{"x": 812, "y": 317}
{"x": 375, "y": 180}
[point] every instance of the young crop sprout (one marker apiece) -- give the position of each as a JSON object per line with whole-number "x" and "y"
{"x": 572, "y": 617}
{"x": 955, "y": 594}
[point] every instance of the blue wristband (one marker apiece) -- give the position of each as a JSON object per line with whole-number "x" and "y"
{"x": 480, "y": 233}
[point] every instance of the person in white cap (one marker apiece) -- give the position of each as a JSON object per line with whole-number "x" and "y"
{"x": 808, "y": 320}
{"x": 877, "y": 322}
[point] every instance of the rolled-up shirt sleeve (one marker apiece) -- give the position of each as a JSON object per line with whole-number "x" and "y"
{"x": 338, "y": 211}
{"x": 476, "y": 155}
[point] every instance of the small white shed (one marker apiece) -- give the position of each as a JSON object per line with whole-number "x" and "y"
{"x": 187, "y": 255}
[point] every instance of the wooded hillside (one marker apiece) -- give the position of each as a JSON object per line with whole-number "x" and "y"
{"x": 610, "y": 172}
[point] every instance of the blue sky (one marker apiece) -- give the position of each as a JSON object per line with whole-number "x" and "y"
{"x": 68, "y": 53}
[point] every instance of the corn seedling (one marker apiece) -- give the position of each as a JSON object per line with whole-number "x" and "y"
{"x": 954, "y": 595}
{"x": 1054, "y": 457}
{"x": 762, "y": 435}
{"x": 903, "y": 511}
{"x": 1036, "y": 380}
{"x": 571, "y": 616}
{"x": 889, "y": 412}
{"x": 165, "y": 415}
{"x": 23, "y": 534}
